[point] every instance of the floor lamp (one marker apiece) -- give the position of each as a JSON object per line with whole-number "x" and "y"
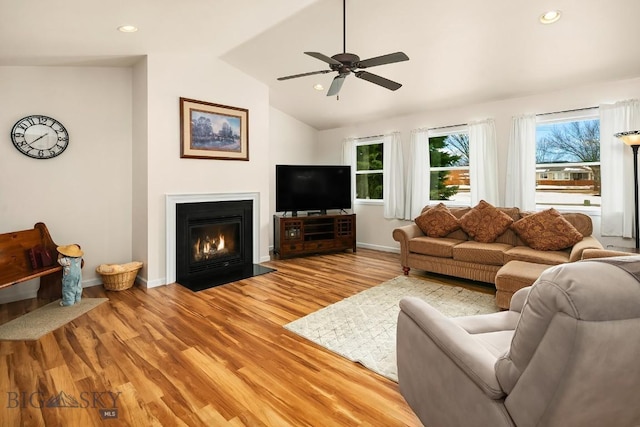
{"x": 632, "y": 138}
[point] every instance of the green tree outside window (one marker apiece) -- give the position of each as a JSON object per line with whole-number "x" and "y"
{"x": 369, "y": 161}
{"x": 441, "y": 157}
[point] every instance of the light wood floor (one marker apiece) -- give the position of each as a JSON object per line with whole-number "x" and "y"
{"x": 219, "y": 357}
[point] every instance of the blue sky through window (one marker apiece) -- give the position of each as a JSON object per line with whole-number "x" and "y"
{"x": 554, "y": 154}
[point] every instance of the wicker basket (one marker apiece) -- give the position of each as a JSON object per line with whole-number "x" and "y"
{"x": 116, "y": 277}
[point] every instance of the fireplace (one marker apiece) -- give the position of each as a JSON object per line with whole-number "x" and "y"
{"x": 214, "y": 243}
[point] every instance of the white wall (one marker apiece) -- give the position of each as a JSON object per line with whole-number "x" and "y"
{"x": 140, "y": 165}
{"x": 208, "y": 79}
{"x": 291, "y": 143}
{"x": 374, "y": 231}
{"x": 107, "y": 191}
{"x": 83, "y": 195}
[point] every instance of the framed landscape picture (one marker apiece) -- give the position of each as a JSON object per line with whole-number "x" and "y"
{"x": 213, "y": 131}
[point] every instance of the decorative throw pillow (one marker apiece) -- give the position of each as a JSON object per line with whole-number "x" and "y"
{"x": 437, "y": 221}
{"x": 547, "y": 231}
{"x": 484, "y": 222}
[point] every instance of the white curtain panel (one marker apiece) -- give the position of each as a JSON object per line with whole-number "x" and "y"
{"x": 349, "y": 159}
{"x": 418, "y": 180}
{"x": 616, "y": 162}
{"x": 393, "y": 176}
{"x": 520, "y": 188}
{"x": 483, "y": 162}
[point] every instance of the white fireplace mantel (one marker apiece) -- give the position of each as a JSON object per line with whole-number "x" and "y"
{"x": 172, "y": 200}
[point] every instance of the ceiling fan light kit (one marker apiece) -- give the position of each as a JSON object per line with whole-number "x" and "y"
{"x": 346, "y": 63}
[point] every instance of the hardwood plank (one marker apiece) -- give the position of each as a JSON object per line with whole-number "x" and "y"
{"x": 219, "y": 357}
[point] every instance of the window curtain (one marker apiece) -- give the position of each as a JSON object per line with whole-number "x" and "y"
{"x": 520, "y": 190}
{"x": 349, "y": 159}
{"x": 616, "y": 162}
{"x": 393, "y": 176}
{"x": 418, "y": 180}
{"x": 483, "y": 162}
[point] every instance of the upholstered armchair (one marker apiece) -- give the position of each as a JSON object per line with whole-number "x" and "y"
{"x": 566, "y": 353}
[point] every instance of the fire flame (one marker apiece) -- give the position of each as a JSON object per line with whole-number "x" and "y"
{"x": 220, "y": 242}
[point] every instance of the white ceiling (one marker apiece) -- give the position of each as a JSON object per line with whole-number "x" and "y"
{"x": 461, "y": 51}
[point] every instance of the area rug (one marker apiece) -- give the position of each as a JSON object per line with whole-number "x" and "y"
{"x": 362, "y": 328}
{"x": 45, "y": 319}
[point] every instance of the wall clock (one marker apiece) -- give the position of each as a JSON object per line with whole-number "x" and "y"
{"x": 40, "y": 137}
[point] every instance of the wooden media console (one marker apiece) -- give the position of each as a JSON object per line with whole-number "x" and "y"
{"x": 304, "y": 235}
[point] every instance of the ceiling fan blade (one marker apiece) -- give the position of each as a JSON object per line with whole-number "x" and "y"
{"x": 304, "y": 74}
{"x": 384, "y": 59}
{"x": 373, "y": 78}
{"x": 324, "y": 58}
{"x": 336, "y": 84}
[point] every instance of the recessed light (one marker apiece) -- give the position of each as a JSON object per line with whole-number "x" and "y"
{"x": 318, "y": 87}
{"x": 550, "y": 17}
{"x": 127, "y": 29}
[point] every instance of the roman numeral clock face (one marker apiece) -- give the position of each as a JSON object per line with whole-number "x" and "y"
{"x": 40, "y": 137}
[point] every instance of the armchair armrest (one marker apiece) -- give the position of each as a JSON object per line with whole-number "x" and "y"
{"x": 474, "y": 360}
{"x": 587, "y": 242}
{"x": 602, "y": 253}
{"x": 518, "y": 299}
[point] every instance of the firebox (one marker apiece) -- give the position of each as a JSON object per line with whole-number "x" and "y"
{"x": 214, "y": 242}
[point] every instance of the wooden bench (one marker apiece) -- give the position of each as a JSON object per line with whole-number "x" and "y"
{"x": 15, "y": 266}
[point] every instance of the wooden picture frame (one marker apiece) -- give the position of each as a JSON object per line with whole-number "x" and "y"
{"x": 213, "y": 131}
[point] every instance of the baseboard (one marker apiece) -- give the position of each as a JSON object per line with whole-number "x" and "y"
{"x": 27, "y": 290}
{"x": 18, "y": 293}
{"x": 148, "y": 284}
{"x": 378, "y": 247}
{"x": 91, "y": 282}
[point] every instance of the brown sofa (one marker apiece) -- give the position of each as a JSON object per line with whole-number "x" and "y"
{"x": 459, "y": 255}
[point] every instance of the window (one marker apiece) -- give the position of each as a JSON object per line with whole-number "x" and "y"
{"x": 449, "y": 161}
{"x": 568, "y": 159}
{"x": 369, "y": 162}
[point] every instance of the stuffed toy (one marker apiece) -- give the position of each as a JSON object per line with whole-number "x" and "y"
{"x": 70, "y": 258}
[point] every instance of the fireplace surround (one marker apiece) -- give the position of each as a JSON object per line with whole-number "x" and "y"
{"x": 212, "y": 239}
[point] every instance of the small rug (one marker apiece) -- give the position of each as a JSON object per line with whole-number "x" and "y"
{"x": 45, "y": 319}
{"x": 362, "y": 328}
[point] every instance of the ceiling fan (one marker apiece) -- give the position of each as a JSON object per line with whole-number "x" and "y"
{"x": 347, "y": 63}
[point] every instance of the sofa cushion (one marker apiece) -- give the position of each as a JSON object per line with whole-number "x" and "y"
{"x": 509, "y": 236}
{"x": 459, "y": 234}
{"x": 484, "y": 222}
{"x": 434, "y": 246}
{"x": 547, "y": 231}
{"x": 437, "y": 221}
{"x": 481, "y": 253}
{"x": 525, "y": 253}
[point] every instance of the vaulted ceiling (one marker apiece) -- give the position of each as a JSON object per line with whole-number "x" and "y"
{"x": 461, "y": 51}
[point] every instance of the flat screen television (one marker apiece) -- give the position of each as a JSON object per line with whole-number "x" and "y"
{"x": 312, "y": 188}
